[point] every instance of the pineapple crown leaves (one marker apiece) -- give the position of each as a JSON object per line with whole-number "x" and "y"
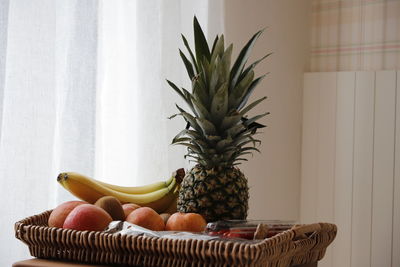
{"x": 218, "y": 132}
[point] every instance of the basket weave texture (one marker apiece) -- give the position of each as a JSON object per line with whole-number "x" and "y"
{"x": 299, "y": 245}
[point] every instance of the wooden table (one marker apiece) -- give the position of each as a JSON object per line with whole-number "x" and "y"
{"x": 51, "y": 263}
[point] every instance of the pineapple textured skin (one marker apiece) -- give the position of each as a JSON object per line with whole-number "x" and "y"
{"x": 217, "y": 194}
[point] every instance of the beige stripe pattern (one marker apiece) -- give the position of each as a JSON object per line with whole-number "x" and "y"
{"x": 353, "y": 35}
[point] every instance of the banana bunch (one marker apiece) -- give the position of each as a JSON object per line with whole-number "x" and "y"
{"x": 160, "y": 196}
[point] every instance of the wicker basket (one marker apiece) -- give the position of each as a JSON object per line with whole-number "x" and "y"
{"x": 299, "y": 245}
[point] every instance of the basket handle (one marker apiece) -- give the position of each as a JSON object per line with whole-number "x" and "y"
{"x": 301, "y": 230}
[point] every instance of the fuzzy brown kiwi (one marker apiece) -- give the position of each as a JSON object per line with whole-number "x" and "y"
{"x": 112, "y": 206}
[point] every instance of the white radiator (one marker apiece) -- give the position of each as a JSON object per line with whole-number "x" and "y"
{"x": 351, "y": 164}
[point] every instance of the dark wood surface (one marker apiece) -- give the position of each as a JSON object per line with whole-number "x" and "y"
{"x": 315, "y": 264}
{"x": 51, "y": 263}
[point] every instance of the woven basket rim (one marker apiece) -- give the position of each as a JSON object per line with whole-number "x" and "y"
{"x": 292, "y": 244}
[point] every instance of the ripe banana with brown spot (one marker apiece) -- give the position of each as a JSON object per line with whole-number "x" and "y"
{"x": 90, "y": 190}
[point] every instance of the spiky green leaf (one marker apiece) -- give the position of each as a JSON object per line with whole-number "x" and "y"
{"x": 189, "y": 118}
{"x": 242, "y": 159}
{"x": 218, "y": 50}
{"x": 176, "y": 89}
{"x": 225, "y": 65}
{"x": 201, "y": 144}
{"x": 242, "y": 59}
{"x": 173, "y": 116}
{"x": 205, "y": 73}
{"x": 249, "y": 148}
{"x": 221, "y": 145}
{"x": 214, "y": 78}
{"x": 254, "y": 141}
{"x": 200, "y": 109}
{"x": 252, "y": 66}
{"x": 241, "y": 138}
{"x": 193, "y": 134}
{"x": 180, "y": 140}
{"x": 219, "y": 104}
{"x": 200, "y": 92}
{"x": 230, "y": 121}
{"x": 252, "y": 105}
{"x": 188, "y": 65}
{"x": 214, "y": 44}
{"x": 239, "y": 92}
{"x": 253, "y": 119}
{"x": 250, "y": 91}
{"x": 235, "y": 130}
{"x": 184, "y": 94}
{"x": 180, "y": 134}
{"x": 206, "y": 126}
{"x": 188, "y": 100}
{"x": 201, "y": 46}
{"x": 185, "y": 42}
{"x": 194, "y": 148}
{"x": 248, "y": 132}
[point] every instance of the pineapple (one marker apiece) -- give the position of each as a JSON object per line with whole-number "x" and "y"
{"x": 218, "y": 133}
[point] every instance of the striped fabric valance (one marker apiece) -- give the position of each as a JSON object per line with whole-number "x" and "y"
{"x": 355, "y": 35}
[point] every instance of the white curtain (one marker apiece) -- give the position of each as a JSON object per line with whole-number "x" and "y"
{"x": 82, "y": 88}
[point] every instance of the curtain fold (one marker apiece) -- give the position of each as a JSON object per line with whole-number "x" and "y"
{"x": 27, "y": 129}
{"x": 82, "y": 88}
{"x": 75, "y": 87}
{"x": 3, "y": 45}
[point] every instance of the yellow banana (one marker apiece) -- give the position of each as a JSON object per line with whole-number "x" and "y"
{"x": 90, "y": 190}
{"x": 138, "y": 189}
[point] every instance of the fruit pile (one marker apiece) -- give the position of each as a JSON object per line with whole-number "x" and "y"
{"x": 151, "y": 206}
{"x": 219, "y": 134}
{"x": 80, "y": 215}
{"x": 160, "y": 196}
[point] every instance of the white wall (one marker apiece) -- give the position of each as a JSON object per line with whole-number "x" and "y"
{"x": 274, "y": 175}
{"x": 351, "y": 164}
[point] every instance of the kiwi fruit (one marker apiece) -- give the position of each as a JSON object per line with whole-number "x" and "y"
{"x": 112, "y": 206}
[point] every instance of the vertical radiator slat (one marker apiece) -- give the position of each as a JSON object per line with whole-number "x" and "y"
{"x": 396, "y": 191}
{"x": 382, "y": 192}
{"x": 351, "y": 164}
{"x": 341, "y": 248}
{"x": 326, "y": 153}
{"x": 326, "y": 146}
{"x": 362, "y": 169}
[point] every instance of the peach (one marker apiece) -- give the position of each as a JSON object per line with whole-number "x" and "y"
{"x": 146, "y": 217}
{"x": 129, "y": 207}
{"x": 191, "y": 222}
{"x": 87, "y": 217}
{"x": 58, "y": 215}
